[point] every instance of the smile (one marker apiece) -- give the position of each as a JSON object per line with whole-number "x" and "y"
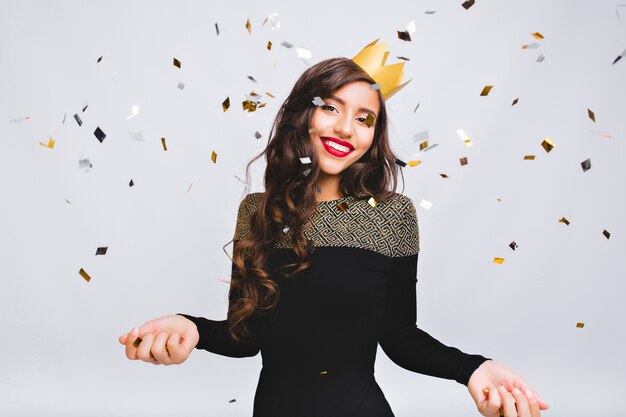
{"x": 334, "y": 148}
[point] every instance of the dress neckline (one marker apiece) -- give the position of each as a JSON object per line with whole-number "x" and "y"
{"x": 333, "y": 201}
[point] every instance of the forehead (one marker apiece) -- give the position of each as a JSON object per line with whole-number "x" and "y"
{"x": 358, "y": 94}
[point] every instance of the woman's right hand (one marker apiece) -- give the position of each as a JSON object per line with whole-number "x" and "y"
{"x": 164, "y": 341}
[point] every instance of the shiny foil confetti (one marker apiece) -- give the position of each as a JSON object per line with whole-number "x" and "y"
{"x": 78, "y": 120}
{"x": 84, "y": 275}
{"x": 181, "y": 86}
{"x": 137, "y": 341}
{"x": 414, "y": 162}
{"x": 273, "y": 19}
{"x": 85, "y": 108}
{"x": 251, "y": 78}
{"x": 467, "y": 4}
{"x": 214, "y": 157}
{"x": 401, "y": 163}
{"x": 286, "y": 229}
{"x": 547, "y": 144}
{"x": 21, "y": 119}
{"x": 463, "y": 161}
{"x": 131, "y": 183}
{"x": 134, "y": 111}
{"x": 323, "y": 372}
{"x": 533, "y": 45}
{"x": 515, "y": 102}
{"x": 464, "y": 136}
{"x": 307, "y": 171}
{"x": 305, "y": 160}
{"x": 541, "y": 58}
{"x": 410, "y": 27}
{"x": 416, "y": 107}
{"x": 286, "y": 44}
{"x": 372, "y": 201}
{"x": 102, "y": 250}
{"x": 269, "y": 94}
{"x": 513, "y": 245}
{"x": 99, "y": 59}
{"x": 49, "y": 145}
{"x": 248, "y": 26}
{"x": 217, "y": 29}
{"x": 318, "y": 189}
{"x": 269, "y": 46}
{"x": 537, "y": 35}
{"x": 177, "y": 63}
{"x": 403, "y": 58}
{"x": 99, "y": 134}
{"x": 499, "y": 261}
{"x": 580, "y": 325}
{"x": 606, "y": 233}
{"x": 423, "y": 145}
{"x": 430, "y": 11}
{"x": 529, "y": 158}
{"x": 84, "y": 164}
{"x": 564, "y": 220}
{"x": 428, "y": 148}
{"x": 343, "y": 206}
{"x": 257, "y": 135}
{"x": 303, "y": 53}
{"x": 189, "y": 188}
{"x": 374, "y": 86}
{"x": 232, "y": 401}
{"x": 318, "y": 101}
{"x": 404, "y": 35}
{"x": 586, "y": 165}
{"x": 426, "y": 205}
{"x": 591, "y": 115}
{"x": 444, "y": 176}
{"x": 486, "y": 90}
{"x": 163, "y": 143}
{"x": 369, "y": 120}
{"x": 226, "y": 104}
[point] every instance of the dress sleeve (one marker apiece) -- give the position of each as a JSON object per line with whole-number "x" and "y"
{"x": 213, "y": 333}
{"x": 404, "y": 343}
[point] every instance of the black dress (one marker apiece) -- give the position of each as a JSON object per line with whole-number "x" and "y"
{"x": 319, "y": 344}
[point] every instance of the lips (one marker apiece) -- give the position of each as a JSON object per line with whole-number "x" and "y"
{"x": 335, "y": 152}
{"x": 339, "y": 141}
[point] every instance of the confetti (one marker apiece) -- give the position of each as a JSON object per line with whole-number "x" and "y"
{"x": 421, "y": 136}
{"x": 541, "y": 58}
{"x": 214, "y": 157}
{"x": 405, "y": 36}
{"x": 414, "y": 110}
{"x": 21, "y": 119}
{"x": 68, "y": 201}
{"x": 591, "y": 115}
{"x": 102, "y": 250}
{"x": 307, "y": 171}
{"x": 251, "y": 78}
{"x": 529, "y": 157}
{"x": 369, "y": 120}
{"x": 273, "y": 19}
{"x": 547, "y": 144}
{"x": 64, "y": 115}
{"x": 606, "y": 233}
{"x": 580, "y": 325}
{"x": 286, "y": 44}
{"x": 323, "y": 372}
{"x": 84, "y": 274}
{"x": 426, "y": 205}
{"x": 217, "y": 29}
{"x": 410, "y": 27}
{"x": 232, "y": 401}
{"x": 85, "y": 108}
{"x": 401, "y": 163}
{"x": 269, "y": 94}
{"x": 318, "y": 189}
{"x": 248, "y": 26}
{"x": 181, "y": 86}
{"x": 99, "y": 59}
{"x": 189, "y": 188}
{"x": 619, "y": 56}
{"x": 444, "y": 176}
{"x": 136, "y": 136}
{"x": 50, "y": 143}
{"x": 257, "y": 135}
{"x": 515, "y": 102}
{"x": 134, "y": 111}
{"x": 343, "y": 206}
{"x": 372, "y": 202}
{"x": 533, "y": 45}
{"x": 423, "y": 145}
{"x": 318, "y": 101}
{"x": 403, "y": 58}
{"x": 84, "y": 164}
{"x": 499, "y": 261}
{"x": 463, "y": 161}
{"x": 513, "y": 245}
{"x": 99, "y": 134}
{"x": 78, "y": 120}
{"x": 305, "y": 160}
{"x": 137, "y": 342}
{"x": 226, "y": 104}
{"x": 303, "y": 53}
{"x": 586, "y": 165}
{"x": 269, "y": 45}
{"x": 467, "y": 4}
{"x": 177, "y": 63}
{"x": 464, "y": 136}
{"x": 434, "y": 145}
{"x": 486, "y": 90}
{"x": 286, "y": 229}
{"x": 564, "y": 220}
{"x": 537, "y": 35}
{"x": 414, "y": 163}
{"x": 374, "y": 86}
{"x": 164, "y": 145}
{"x": 131, "y": 183}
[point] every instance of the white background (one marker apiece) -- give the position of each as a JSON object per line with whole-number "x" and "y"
{"x": 59, "y": 354}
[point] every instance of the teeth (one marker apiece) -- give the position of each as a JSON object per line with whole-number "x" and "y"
{"x": 337, "y": 146}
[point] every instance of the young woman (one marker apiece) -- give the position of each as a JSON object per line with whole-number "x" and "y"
{"x": 324, "y": 270}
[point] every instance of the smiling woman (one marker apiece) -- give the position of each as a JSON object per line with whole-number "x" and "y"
{"x": 325, "y": 262}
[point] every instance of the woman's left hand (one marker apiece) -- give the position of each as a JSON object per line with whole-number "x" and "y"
{"x": 491, "y": 375}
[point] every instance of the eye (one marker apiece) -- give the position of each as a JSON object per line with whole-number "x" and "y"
{"x": 328, "y": 107}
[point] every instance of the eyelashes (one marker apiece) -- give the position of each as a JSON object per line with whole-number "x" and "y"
{"x": 328, "y": 107}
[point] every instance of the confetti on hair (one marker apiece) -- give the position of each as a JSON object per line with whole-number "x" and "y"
{"x": 372, "y": 201}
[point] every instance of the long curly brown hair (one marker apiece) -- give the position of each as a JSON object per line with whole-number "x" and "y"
{"x": 289, "y": 198}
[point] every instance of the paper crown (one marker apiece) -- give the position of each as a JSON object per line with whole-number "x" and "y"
{"x": 372, "y": 59}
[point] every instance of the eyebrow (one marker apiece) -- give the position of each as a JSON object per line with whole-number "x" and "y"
{"x": 340, "y": 101}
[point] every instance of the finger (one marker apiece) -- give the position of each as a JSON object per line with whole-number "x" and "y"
{"x": 526, "y": 387}
{"x": 143, "y": 350}
{"x": 158, "y": 348}
{"x": 122, "y": 338}
{"x": 178, "y": 352}
{"x": 508, "y": 403}
{"x": 523, "y": 409}
{"x": 533, "y": 403}
{"x": 131, "y": 344}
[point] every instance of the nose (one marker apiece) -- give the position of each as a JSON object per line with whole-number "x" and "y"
{"x": 344, "y": 127}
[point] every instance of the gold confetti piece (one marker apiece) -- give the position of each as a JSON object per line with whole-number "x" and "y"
{"x": 606, "y": 234}
{"x": 84, "y": 274}
{"x": 467, "y": 4}
{"x": 423, "y": 145}
{"x": 463, "y": 160}
{"x": 99, "y": 59}
{"x": 164, "y": 145}
{"x": 99, "y": 134}
{"x": 547, "y": 144}
{"x": 248, "y": 26}
{"x": 269, "y": 94}
{"x": 426, "y": 205}
{"x": 529, "y": 158}
{"x": 513, "y": 245}
{"x": 515, "y": 102}
{"x": 226, "y": 104}
{"x": 444, "y": 176}
{"x": 137, "y": 341}
{"x": 176, "y": 63}
{"x": 498, "y": 261}
{"x": 533, "y": 45}
{"x": 369, "y": 120}
{"x": 564, "y": 220}
{"x": 464, "y": 136}
{"x": 260, "y": 106}
{"x": 401, "y": 163}
{"x": 372, "y": 202}
{"x": 537, "y": 35}
{"x": 591, "y": 115}
{"x": 414, "y": 163}
{"x": 586, "y": 165}
{"x": 269, "y": 45}
{"x": 102, "y": 250}
{"x": 580, "y": 325}
{"x": 131, "y": 183}
{"x": 486, "y": 90}
{"x": 214, "y": 157}
{"x": 343, "y": 206}
{"x": 404, "y": 35}
{"x": 323, "y": 372}
{"x": 50, "y": 143}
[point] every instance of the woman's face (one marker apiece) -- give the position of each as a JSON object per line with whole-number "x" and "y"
{"x": 341, "y": 133}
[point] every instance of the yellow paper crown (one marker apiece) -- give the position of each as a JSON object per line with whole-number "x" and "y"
{"x": 372, "y": 59}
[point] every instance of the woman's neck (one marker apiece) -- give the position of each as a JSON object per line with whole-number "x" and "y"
{"x": 327, "y": 188}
